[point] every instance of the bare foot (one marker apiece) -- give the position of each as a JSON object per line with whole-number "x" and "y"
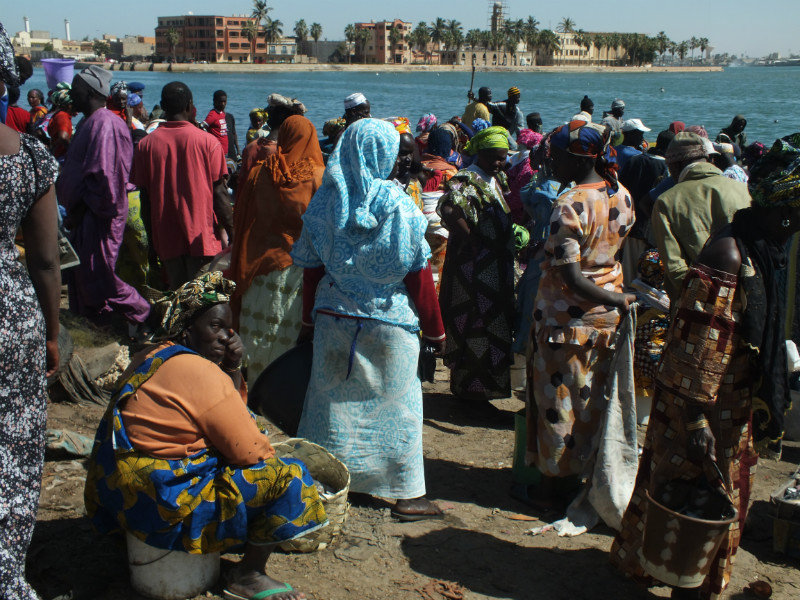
{"x": 416, "y": 509}
{"x": 244, "y": 584}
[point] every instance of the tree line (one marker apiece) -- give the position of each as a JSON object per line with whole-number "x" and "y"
{"x": 515, "y": 35}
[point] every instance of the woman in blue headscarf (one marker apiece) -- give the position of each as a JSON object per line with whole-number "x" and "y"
{"x": 368, "y": 289}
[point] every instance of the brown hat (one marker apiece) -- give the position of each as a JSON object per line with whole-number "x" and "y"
{"x": 686, "y": 146}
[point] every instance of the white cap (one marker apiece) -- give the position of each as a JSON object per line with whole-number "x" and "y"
{"x": 634, "y": 125}
{"x": 709, "y": 147}
{"x": 354, "y": 100}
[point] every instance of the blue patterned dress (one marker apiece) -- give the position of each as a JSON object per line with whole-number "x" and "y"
{"x": 364, "y": 400}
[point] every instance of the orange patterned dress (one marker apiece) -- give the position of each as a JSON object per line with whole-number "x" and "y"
{"x": 572, "y": 338}
{"x": 704, "y": 364}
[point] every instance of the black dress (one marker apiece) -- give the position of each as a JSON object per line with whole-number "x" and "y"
{"x": 24, "y": 177}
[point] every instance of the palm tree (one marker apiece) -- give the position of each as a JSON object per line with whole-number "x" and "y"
{"x": 362, "y": 37}
{"x": 421, "y": 36}
{"x": 582, "y": 39}
{"x": 455, "y": 36}
{"x": 600, "y": 41}
{"x": 273, "y": 30}
{"x": 300, "y": 34}
{"x": 438, "y": 32}
{"x": 566, "y": 25}
{"x": 530, "y": 32}
{"x": 663, "y": 43}
{"x": 693, "y": 43}
{"x": 316, "y": 32}
{"x": 395, "y": 36}
{"x": 350, "y": 36}
{"x": 614, "y": 41}
{"x": 250, "y": 31}
{"x": 702, "y": 43}
{"x": 473, "y": 38}
{"x": 173, "y": 39}
{"x": 683, "y": 48}
{"x": 548, "y": 43}
{"x": 260, "y": 11}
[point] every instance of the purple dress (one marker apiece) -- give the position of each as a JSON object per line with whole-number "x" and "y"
{"x": 93, "y": 182}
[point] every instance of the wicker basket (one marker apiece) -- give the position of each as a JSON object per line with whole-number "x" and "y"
{"x": 327, "y": 469}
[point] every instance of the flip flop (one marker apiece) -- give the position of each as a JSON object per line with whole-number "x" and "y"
{"x": 265, "y": 595}
{"x": 413, "y": 517}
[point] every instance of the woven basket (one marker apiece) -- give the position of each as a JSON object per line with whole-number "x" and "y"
{"x": 327, "y": 469}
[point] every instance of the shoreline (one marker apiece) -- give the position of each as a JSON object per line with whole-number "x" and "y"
{"x": 392, "y": 68}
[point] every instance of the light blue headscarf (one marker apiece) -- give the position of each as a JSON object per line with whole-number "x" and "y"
{"x": 365, "y": 230}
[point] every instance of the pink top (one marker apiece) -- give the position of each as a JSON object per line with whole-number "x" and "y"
{"x": 178, "y": 165}
{"x": 218, "y": 127}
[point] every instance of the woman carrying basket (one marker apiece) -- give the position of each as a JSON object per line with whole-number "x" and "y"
{"x": 722, "y": 387}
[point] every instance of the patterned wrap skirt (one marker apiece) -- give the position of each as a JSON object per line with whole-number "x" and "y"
{"x": 199, "y": 504}
{"x": 364, "y": 404}
{"x": 270, "y": 318}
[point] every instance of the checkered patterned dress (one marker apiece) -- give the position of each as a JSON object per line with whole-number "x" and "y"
{"x": 704, "y": 364}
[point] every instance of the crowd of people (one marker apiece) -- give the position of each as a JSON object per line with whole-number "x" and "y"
{"x": 488, "y": 238}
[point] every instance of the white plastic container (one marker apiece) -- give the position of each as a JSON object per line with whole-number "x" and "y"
{"x": 170, "y": 574}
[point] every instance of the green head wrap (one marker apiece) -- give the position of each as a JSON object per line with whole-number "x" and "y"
{"x": 177, "y": 309}
{"x": 487, "y": 139}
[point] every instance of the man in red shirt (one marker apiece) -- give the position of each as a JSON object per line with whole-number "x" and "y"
{"x": 181, "y": 172}
{"x": 215, "y": 122}
{"x": 17, "y": 118}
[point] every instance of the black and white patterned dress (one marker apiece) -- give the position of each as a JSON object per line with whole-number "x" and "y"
{"x": 24, "y": 177}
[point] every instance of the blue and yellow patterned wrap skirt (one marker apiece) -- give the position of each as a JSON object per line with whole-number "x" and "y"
{"x": 199, "y": 504}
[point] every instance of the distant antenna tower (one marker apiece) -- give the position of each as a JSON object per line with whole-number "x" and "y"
{"x": 498, "y": 13}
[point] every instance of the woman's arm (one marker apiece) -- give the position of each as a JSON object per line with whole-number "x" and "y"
{"x": 40, "y": 231}
{"x": 586, "y": 289}
{"x": 422, "y": 292}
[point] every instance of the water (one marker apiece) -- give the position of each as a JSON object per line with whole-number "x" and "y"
{"x": 763, "y": 95}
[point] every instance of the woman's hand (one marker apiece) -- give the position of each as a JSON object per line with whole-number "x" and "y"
{"x": 306, "y": 334}
{"x": 701, "y": 445}
{"x": 234, "y": 350}
{"x": 625, "y": 302}
{"x": 53, "y": 357}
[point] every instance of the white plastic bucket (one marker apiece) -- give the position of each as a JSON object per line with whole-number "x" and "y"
{"x": 170, "y": 574}
{"x": 57, "y": 70}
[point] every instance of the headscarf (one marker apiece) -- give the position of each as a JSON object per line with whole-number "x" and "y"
{"x": 332, "y": 127}
{"x": 480, "y": 124}
{"x": 775, "y": 179}
{"x": 753, "y": 153}
{"x": 357, "y": 215}
{"x": 529, "y": 138}
{"x": 271, "y": 203}
{"x": 697, "y": 130}
{"x": 651, "y": 269}
{"x": 513, "y": 91}
{"x": 401, "y": 124}
{"x": 258, "y": 112}
{"x": 293, "y": 104}
{"x": 119, "y": 92}
{"x": 677, "y": 126}
{"x": 134, "y": 100}
{"x": 176, "y": 310}
{"x": 426, "y": 123}
{"x": 440, "y": 143}
{"x": 580, "y": 138}
{"x": 8, "y": 66}
{"x": 60, "y": 97}
{"x": 487, "y": 139}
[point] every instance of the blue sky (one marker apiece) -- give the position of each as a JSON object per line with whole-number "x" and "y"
{"x": 736, "y": 26}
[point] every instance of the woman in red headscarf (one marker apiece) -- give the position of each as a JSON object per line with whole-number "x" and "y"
{"x": 267, "y": 220}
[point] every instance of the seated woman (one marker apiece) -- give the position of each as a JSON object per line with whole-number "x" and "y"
{"x": 178, "y": 460}
{"x": 722, "y": 388}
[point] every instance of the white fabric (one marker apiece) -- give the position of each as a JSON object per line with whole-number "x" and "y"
{"x": 611, "y": 472}
{"x": 354, "y": 100}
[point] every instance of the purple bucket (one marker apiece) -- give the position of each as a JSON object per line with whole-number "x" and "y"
{"x": 57, "y": 70}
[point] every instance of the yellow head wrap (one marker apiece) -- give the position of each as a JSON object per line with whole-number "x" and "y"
{"x": 487, "y": 139}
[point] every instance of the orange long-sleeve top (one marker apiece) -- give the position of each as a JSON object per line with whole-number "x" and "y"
{"x": 188, "y": 405}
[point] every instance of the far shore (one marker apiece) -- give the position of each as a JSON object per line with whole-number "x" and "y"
{"x": 392, "y": 68}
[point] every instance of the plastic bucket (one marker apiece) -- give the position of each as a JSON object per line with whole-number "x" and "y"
{"x": 170, "y": 574}
{"x": 678, "y": 550}
{"x": 57, "y": 70}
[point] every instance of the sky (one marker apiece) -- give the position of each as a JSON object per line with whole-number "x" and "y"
{"x": 734, "y": 26}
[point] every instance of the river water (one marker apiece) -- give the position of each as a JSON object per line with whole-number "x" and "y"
{"x": 768, "y": 97}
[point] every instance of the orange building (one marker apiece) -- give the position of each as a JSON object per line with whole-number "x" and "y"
{"x": 378, "y": 49}
{"x": 218, "y": 39}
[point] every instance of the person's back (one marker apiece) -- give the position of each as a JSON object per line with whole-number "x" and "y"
{"x": 178, "y": 165}
{"x": 685, "y": 216}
